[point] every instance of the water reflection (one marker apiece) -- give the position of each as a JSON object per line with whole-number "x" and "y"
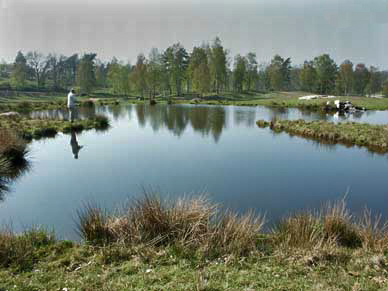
{"x": 205, "y": 120}
{"x": 10, "y": 172}
{"x": 75, "y": 147}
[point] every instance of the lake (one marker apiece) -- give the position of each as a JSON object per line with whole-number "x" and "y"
{"x": 190, "y": 149}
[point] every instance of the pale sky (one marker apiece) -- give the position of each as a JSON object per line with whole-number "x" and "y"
{"x": 300, "y": 29}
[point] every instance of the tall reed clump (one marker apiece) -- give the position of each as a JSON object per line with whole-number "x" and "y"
{"x": 339, "y": 224}
{"x": 192, "y": 223}
{"x": 19, "y": 251}
{"x": 12, "y": 147}
{"x": 92, "y": 224}
{"x": 333, "y": 225}
{"x": 373, "y": 232}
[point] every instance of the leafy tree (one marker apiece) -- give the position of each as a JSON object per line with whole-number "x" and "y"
{"x": 240, "y": 72}
{"x": 39, "y": 65}
{"x": 5, "y": 70}
{"x": 201, "y": 78}
{"x": 374, "y": 84}
{"x": 345, "y": 78}
{"x": 308, "y": 77}
{"x": 199, "y": 71}
{"x": 101, "y": 74}
{"x": 56, "y": 69}
{"x": 279, "y": 73}
{"x": 361, "y": 79}
{"x": 251, "y": 70}
{"x": 326, "y": 73}
{"x": 139, "y": 75}
{"x": 385, "y": 89}
{"x": 155, "y": 70}
{"x": 295, "y": 84}
{"x": 86, "y": 78}
{"x": 218, "y": 64}
{"x": 119, "y": 77}
{"x": 19, "y": 70}
{"x": 175, "y": 62}
{"x": 71, "y": 65}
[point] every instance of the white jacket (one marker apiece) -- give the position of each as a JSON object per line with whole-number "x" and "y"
{"x": 70, "y": 100}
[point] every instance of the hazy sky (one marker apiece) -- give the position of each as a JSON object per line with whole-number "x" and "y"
{"x": 300, "y": 29}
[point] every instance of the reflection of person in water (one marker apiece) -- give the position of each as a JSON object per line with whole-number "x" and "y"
{"x": 75, "y": 147}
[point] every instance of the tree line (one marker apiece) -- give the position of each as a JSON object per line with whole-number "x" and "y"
{"x": 208, "y": 68}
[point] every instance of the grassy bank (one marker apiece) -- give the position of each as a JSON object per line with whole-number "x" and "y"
{"x": 272, "y": 99}
{"x": 189, "y": 245}
{"x": 373, "y": 137}
{"x": 30, "y": 128}
{"x": 287, "y": 100}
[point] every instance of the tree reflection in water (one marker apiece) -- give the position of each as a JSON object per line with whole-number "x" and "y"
{"x": 203, "y": 119}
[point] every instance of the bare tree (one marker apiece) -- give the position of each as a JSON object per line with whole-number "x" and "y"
{"x": 40, "y": 66}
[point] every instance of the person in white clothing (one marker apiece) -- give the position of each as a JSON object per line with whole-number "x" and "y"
{"x": 71, "y": 104}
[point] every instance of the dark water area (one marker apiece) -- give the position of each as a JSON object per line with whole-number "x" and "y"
{"x": 191, "y": 149}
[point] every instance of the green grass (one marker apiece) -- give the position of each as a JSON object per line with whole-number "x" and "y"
{"x": 373, "y": 137}
{"x": 305, "y": 252}
{"x": 29, "y": 128}
{"x": 272, "y": 99}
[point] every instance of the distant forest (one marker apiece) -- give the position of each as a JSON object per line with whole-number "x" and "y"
{"x": 207, "y": 69}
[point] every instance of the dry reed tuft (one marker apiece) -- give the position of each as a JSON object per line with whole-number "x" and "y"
{"x": 373, "y": 233}
{"x": 302, "y": 230}
{"x": 338, "y": 223}
{"x": 188, "y": 222}
{"x": 92, "y": 224}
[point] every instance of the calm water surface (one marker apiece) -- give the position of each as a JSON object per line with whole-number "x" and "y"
{"x": 190, "y": 149}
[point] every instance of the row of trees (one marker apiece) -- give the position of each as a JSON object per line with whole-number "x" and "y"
{"x": 208, "y": 68}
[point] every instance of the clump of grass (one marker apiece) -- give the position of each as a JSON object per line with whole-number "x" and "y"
{"x": 235, "y": 234}
{"x": 338, "y": 223}
{"x": 12, "y": 147}
{"x": 152, "y": 220}
{"x": 332, "y": 225}
{"x": 373, "y": 232}
{"x": 92, "y": 224}
{"x": 193, "y": 224}
{"x": 302, "y": 230}
{"x": 101, "y": 122}
{"x": 20, "y": 251}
